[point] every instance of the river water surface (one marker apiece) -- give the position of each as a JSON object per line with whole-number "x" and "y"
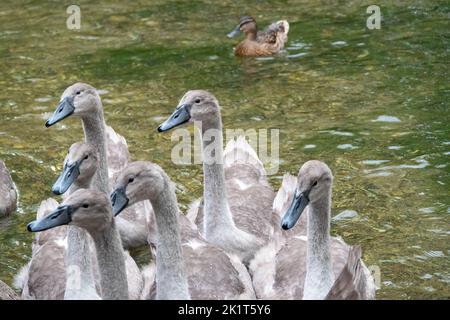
{"x": 373, "y": 104}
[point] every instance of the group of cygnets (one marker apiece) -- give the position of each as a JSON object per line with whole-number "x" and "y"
{"x": 241, "y": 240}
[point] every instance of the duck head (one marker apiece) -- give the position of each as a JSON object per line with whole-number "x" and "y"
{"x": 246, "y": 25}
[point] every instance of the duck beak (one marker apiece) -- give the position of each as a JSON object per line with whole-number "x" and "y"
{"x": 235, "y": 32}
{"x": 61, "y": 216}
{"x": 296, "y": 209}
{"x": 66, "y": 178}
{"x": 119, "y": 200}
{"x": 179, "y": 116}
{"x": 64, "y": 109}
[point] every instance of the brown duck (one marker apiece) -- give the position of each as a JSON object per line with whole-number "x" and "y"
{"x": 260, "y": 43}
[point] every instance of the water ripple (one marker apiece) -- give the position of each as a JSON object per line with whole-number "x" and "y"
{"x": 338, "y": 133}
{"x": 421, "y": 163}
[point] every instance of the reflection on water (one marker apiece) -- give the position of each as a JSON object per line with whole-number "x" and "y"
{"x": 387, "y": 119}
{"x": 372, "y": 104}
{"x": 346, "y": 146}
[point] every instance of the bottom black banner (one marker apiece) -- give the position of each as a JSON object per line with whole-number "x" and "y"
{"x": 220, "y": 309}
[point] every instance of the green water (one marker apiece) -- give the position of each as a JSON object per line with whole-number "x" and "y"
{"x": 144, "y": 55}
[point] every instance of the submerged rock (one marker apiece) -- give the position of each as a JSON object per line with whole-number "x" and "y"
{"x": 8, "y": 194}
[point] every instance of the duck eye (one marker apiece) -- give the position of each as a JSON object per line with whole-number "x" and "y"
{"x": 85, "y": 205}
{"x": 314, "y": 184}
{"x": 130, "y": 180}
{"x": 86, "y": 157}
{"x": 197, "y": 101}
{"x": 78, "y": 92}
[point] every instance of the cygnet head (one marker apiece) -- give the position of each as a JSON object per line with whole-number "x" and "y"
{"x": 195, "y": 106}
{"x": 313, "y": 184}
{"x": 140, "y": 180}
{"x": 80, "y": 165}
{"x": 85, "y": 208}
{"x": 80, "y": 99}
